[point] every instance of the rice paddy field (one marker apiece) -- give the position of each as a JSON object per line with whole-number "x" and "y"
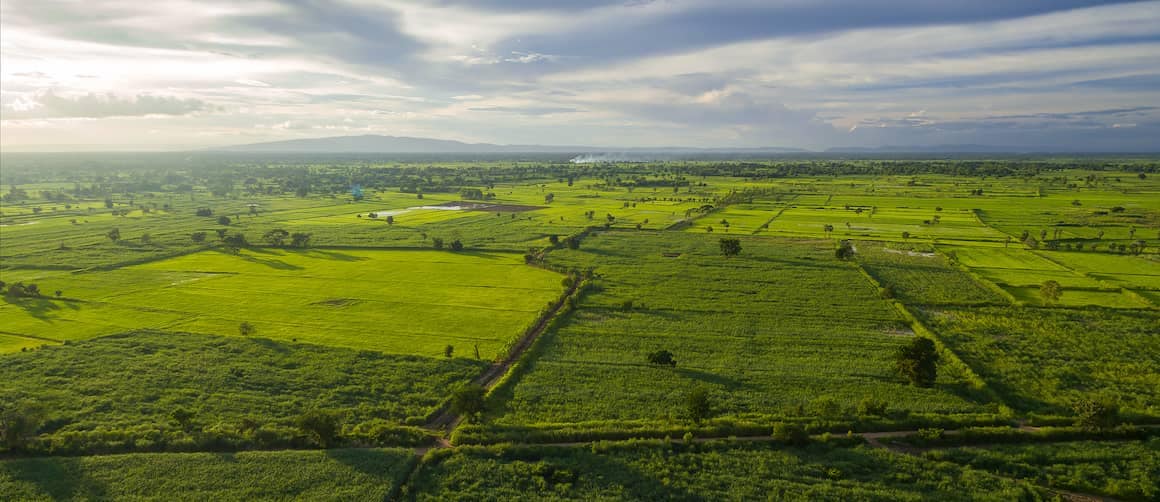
{"x": 203, "y": 314}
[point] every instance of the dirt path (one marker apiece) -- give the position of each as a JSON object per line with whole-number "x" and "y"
{"x": 447, "y": 420}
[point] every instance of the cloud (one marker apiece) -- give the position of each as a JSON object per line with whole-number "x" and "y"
{"x": 525, "y": 110}
{"x": 50, "y": 105}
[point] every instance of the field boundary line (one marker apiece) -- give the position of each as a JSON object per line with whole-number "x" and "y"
{"x": 922, "y": 330}
{"x": 31, "y": 337}
{"x": 494, "y": 375}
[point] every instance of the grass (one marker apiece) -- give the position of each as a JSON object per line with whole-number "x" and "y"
{"x": 134, "y": 382}
{"x": 1124, "y": 470}
{"x": 1041, "y": 359}
{"x": 917, "y": 277}
{"x": 407, "y": 302}
{"x": 774, "y": 331}
{"x": 364, "y": 474}
{"x": 662, "y": 471}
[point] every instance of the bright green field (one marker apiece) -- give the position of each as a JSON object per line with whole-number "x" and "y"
{"x": 364, "y": 474}
{"x": 410, "y": 302}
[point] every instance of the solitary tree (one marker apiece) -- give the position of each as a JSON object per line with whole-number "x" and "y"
{"x": 917, "y": 361}
{"x": 698, "y": 405}
{"x": 448, "y": 351}
{"x": 390, "y": 219}
{"x": 469, "y": 401}
{"x": 662, "y": 358}
{"x": 247, "y": 329}
{"x": 845, "y": 250}
{"x": 730, "y": 247}
{"x": 114, "y": 234}
{"x": 1095, "y": 413}
{"x": 197, "y": 237}
{"x": 1050, "y": 291}
{"x": 437, "y": 242}
{"x": 456, "y": 245}
{"x": 223, "y": 220}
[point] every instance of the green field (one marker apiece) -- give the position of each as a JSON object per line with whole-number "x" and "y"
{"x": 710, "y": 472}
{"x": 194, "y": 313}
{"x": 1042, "y": 359}
{"x": 1124, "y": 470}
{"x": 282, "y": 475}
{"x": 764, "y": 331}
{"x": 405, "y": 302}
{"x": 111, "y": 391}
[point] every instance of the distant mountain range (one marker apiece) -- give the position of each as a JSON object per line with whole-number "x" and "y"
{"x": 372, "y": 144}
{"x": 397, "y": 144}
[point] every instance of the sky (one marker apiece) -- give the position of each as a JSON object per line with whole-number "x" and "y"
{"x": 182, "y": 74}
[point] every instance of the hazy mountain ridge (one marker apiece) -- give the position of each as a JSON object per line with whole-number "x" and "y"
{"x": 404, "y": 144}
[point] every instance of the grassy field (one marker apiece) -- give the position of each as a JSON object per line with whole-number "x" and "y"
{"x": 1126, "y": 470}
{"x": 706, "y": 472}
{"x": 364, "y": 474}
{"x": 406, "y": 302}
{"x": 142, "y": 348}
{"x": 122, "y": 390}
{"x": 1042, "y": 359}
{"x": 775, "y": 331}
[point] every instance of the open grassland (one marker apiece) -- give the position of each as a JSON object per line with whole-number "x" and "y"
{"x": 407, "y": 301}
{"x": 1128, "y": 470}
{"x": 120, "y": 392}
{"x": 660, "y": 471}
{"x": 781, "y": 330}
{"x": 1041, "y": 359}
{"x": 364, "y": 474}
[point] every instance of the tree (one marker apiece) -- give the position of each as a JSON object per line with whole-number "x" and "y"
{"x": 300, "y": 239}
{"x": 19, "y": 422}
{"x": 437, "y": 242}
{"x": 845, "y": 250}
{"x": 1095, "y": 413}
{"x": 662, "y": 358}
{"x": 235, "y": 242}
{"x": 1050, "y": 291}
{"x": 321, "y": 426}
{"x": 917, "y": 362}
{"x": 456, "y": 245}
{"x": 698, "y": 405}
{"x": 247, "y": 329}
{"x": 223, "y": 220}
{"x": 390, "y": 220}
{"x": 469, "y": 401}
{"x": 828, "y": 229}
{"x": 905, "y": 236}
{"x": 448, "y": 350}
{"x": 197, "y": 237}
{"x": 730, "y": 247}
{"x": 114, "y": 234}
{"x": 276, "y": 237}
{"x": 549, "y": 198}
